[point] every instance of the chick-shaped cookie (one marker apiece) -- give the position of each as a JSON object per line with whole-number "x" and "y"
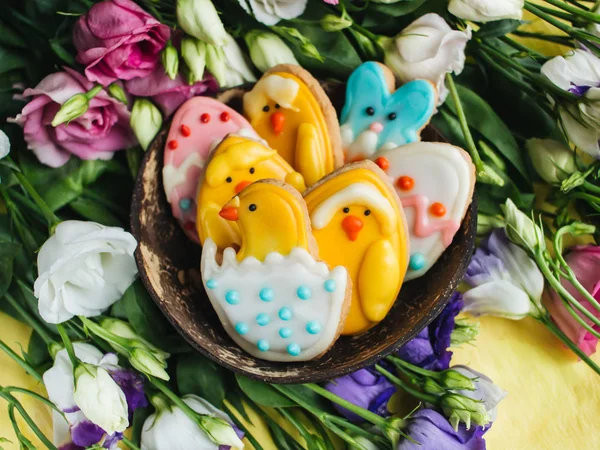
{"x": 274, "y": 298}
{"x": 235, "y": 163}
{"x": 358, "y": 222}
{"x": 288, "y": 108}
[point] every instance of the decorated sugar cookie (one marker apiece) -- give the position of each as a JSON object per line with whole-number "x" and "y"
{"x": 288, "y": 108}
{"x": 197, "y": 127}
{"x": 377, "y": 118}
{"x": 435, "y": 183}
{"x": 358, "y": 222}
{"x": 275, "y": 299}
{"x": 234, "y": 164}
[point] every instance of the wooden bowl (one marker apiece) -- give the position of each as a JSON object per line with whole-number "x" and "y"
{"x": 169, "y": 267}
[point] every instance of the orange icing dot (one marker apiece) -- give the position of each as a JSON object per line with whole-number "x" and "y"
{"x": 185, "y": 130}
{"x": 205, "y": 118}
{"x": 383, "y": 163}
{"x": 438, "y": 210}
{"x": 405, "y": 183}
{"x": 173, "y": 145}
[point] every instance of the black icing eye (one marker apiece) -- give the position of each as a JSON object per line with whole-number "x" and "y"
{"x": 370, "y": 111}
{"x": 277, "y": 106}
{"x": 392, "y": 116}
{"x": 346, "y": 210}
{"x": 266, "y": 108}
{"x": 368, "y": 212}
{"x": 252, "y": 170}
{"x": 229, "y": 179}
{"x": 252, "y": 207}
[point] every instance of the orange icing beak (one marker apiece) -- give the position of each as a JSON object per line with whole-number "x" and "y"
{"x": 352, "y": 226}
{"x": 229, "y": 213}
{"x": 242, "y": 185}
{"x": 277, "y": 122}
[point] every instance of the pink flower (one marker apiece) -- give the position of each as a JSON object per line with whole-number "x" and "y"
{"x": 118, "y": 40}
{"x": 585, "y": 263}
{"x": 168, "y": 94}
{"x": 99, "y": 132}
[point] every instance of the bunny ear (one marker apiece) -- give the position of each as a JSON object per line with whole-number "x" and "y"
{"x": 367, "y": 84}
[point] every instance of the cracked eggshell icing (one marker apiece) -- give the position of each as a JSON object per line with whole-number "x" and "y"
{"x": 197, "y": 127}
{"x": 435, "y": 183}
{"x": 373, "y": 118}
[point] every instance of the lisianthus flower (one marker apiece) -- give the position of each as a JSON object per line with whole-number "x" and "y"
{"x": 429, "y": 349}
{"x": 4, "y": 144}
{"x": 269, "y": 12}
{"x": 485, "y": 390}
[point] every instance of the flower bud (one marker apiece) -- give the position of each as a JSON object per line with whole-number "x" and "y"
{"x": 147, "y": 363}
{"x": 432, "y": 387}
{"x": 170, "y": 60}
{"x": 194, "y": 55}
{"x": 200, "y": 19}
{"x": 331, "y": 23}
{"x": 459, "y": 408}
{"x": 521, "y": 229}
{"x": 392, "y": 430}
{"x": 118, "y": 93}
{"x": 369, "y": 48}
{"x": 575, "y": 180}
{"x": 267, "y": 50}
{"x": 146, "y": 121}
{"x": 463, "y": 333}
{"x": 486, "y": 224}
{"x": 73, "y": 108}
{"x": 216, "y": 63}
{"x": 552, "y": 160}
{"x": 453, "y": 380}
{"x": 219, "y": 431}
{"x": 581, "y": 229}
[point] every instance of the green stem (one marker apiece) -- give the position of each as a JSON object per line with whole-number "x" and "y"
{"x": 308, "y": 438}
{"x": 35, "y": 395}
{"x": 591, "y": 187}
{"x": 23, "y": 441}
{"x": 129, "y": 443}
{"x": 29, "y": 319}
{"x": 51, "y": 218}
{"x": 591, "y": 200}
{"x": 68, "y": 344}
{"x": 412, "y": 368}
{"x": 561, "y": 40}
{"x": 523, "y": 48}
{"x": 94, "y": 91}
{"x": 429, "y": 398}
{"x": 579, "y": 34}
{"x": 558, "y": 14}
{"x": 574, "y": 10}
{"x": 512, "y": 77}
{"x": 20, "y": 361}
{"x": 241, "y": 426}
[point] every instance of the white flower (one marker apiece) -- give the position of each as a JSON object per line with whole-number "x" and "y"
{"x": 485, "y": 390}
{"x": 4, "y": 145}
{"x": 521, "y": 229}
{"x": 146, "y": 121}
{"x": 200, "y": 19}
{"x": 579, "y": 73}
{"x": 170, "y": 428}
{"x": 270, "y": 12}
{"x": 487, "y": 10}
{"x": 267, "y": 50}
{"x": 84, "y": 267}
{"x": 506, "y": 282}
{"x": 427, "y": 49}
{"x": 228, "y": 64}
{"x": 552, "y": 160}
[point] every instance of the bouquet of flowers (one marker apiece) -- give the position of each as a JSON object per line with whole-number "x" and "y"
{"x": 86, "y": 85}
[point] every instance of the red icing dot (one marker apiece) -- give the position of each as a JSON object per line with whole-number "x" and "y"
{"x": 205, "y": 118}
{"x": 405, "y": 183}
{"x": 383, "y": 163}
{"x": 189, "y": 226}
{"x": 185, "y": 130}
{"x": 225, "y": 116}
{"x": 173, "y": 145}
{"x": 437, "y": 209}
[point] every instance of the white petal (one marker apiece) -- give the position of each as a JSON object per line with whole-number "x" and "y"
{"x": 4, "y": 144}
{"x": 497, "y": 298}
{"x": 584, "y": 137}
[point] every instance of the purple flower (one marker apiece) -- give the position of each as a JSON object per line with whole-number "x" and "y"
{"x": 365, "y": 388}
{"x": 86, "y": 434}
{"x": 132, "y": 385}
{"x": 432, "y": 431}
{"x": 580, "y": 91}
{"x": 429, "y": 349}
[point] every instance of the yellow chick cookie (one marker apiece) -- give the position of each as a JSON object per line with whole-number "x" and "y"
{"x": 358, "y": 222}
{"x": 237, "y": 162}
{"x": 288, "y": 108}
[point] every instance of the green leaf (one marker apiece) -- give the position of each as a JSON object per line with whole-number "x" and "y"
{"x": 8, "y": 253}
{"x": 37, "y": 351}
{"x": 9, "y": 37}
{"x": 11, "y": 60}
{"x": 139, "y": 417}
{"x": 263, "y": 394}
{"x": 482, "y": 118}
{"x": 498, "y": 28}
{"x": 199, "y": 376}
{"x": 94, "y": 211}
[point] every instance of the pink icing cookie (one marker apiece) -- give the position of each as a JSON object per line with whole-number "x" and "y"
{"x": 197, "y": 127}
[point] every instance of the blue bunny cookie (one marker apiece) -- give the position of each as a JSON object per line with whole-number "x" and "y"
{"x": 376, "y": 118}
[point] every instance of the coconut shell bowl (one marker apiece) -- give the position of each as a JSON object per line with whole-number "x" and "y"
{"x": 169, "y": 267}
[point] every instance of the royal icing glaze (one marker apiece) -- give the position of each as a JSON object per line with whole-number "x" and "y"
{"x": 435, "y": 183}
{"x": 284, "y": 111}
{"x": 197, "y": 127}
{"x": 273, "y": 297}
{"x": 236, "y": 163}
{"x": 357, "y": 223}
{"x": 374, "y": 119}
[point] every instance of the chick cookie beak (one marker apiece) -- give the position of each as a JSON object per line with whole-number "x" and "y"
{"x": 277, "y": 122}
{"x": 242, "y": 185}
{"x": 229, "y": 213}
{"x": 352, "y": 226}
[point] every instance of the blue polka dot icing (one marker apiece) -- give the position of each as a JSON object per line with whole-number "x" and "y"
{"x": 293, "y": 349}
{"x": 285, "y": 313}
{"x": 285, "y": 332}
{"x": 263, "y": 345}
{"x": 241, "y": 328}
{"x": 303, "y": 293}
{"x": 232, "y": 297}
{"x": 211, "y": 284}
{"x": 329, "y": 285}
{"x": 266, "y": 294}
{"x": 313, "y": 327}
{"x": 185, "y": 204}
{"x": 262, "y": 319}
{"x": 417, "y": 261}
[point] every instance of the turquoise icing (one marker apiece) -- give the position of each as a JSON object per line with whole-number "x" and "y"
{"x": 263, "y": 345}
{"x": 262, "y": 319}
{"x": 185, "y": 204}
{"x": 293, "y": 349}
{"x": 266, "y": 294}
{"x": 303, "y": 292}
{"x": 241, "y": 328}
{"x": 413, "y": 104}
{"x": 232, "y": 297}
{"x": 417, "y": 261}
{"x": 329, "y": 285}
{"x": 211, "y": 284}
{"x": 313, "y": 327}
{"x": 285, "y": 313}
{"x": 285, "y": 332}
